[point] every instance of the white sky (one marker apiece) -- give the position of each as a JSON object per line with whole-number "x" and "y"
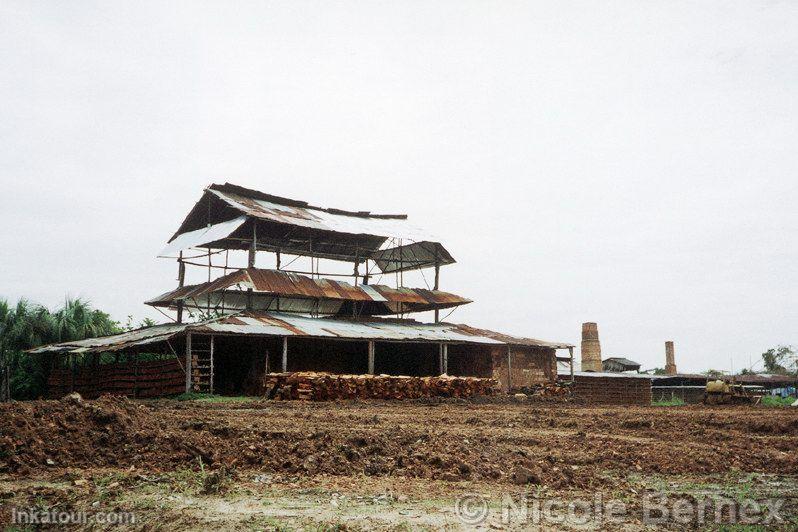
{"x": 629, "y": 163}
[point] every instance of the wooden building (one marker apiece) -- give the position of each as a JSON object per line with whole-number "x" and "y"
{"x": 249, "y": 321}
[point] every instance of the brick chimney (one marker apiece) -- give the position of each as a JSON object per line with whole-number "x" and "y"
{"x": 591, "y": 349}
{"x": 670, "y": 361}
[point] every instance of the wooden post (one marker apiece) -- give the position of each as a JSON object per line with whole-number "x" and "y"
{"x": 371, "y": 357}
{"x": 571, "y": 354}
{"x": 444, "y": 359}
{"x": 285, "y": 354}
{"x": 509, "y": 369}
{"x": 266, "y": 365}
{"x": 135, "y": 373}
{"x": 435, "y": 287}
{"x": 277, "y": 255}
{"x": 181, "y": 280}
{"x": 253, "y": 248}
{"x": 212, "y": 344}
{"x": 188, "y": 363}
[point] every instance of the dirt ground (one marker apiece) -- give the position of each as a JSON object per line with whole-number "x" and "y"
{"x": 265, "y": 465}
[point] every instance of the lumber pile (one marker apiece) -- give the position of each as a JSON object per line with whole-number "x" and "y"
{"x": 313, "y": 386}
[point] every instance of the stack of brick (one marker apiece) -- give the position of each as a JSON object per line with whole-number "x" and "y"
{"x": 616, "y": 390}
{"x": 134, "y": 379}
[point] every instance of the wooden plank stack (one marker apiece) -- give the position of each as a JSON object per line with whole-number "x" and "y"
{"x": 313, "y": 386}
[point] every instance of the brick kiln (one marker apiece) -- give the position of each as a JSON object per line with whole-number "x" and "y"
{"x": 248, "y": 323}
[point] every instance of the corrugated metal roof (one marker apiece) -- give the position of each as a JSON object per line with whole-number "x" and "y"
{"x": 597, "y": 374}
{"x": 283, "y": 324}
{"x": 296, "y": 227}
{"x": 515, "y": 340}
{"x": 116, "y": 342}
{"x": 303, "y": 292}
{"x": 301, "y": 214}
{"x": 206, "y": 235}
{"x": 623, "y": 361}
{"x": 412, "y": 257}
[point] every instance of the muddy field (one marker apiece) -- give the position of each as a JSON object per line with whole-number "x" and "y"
{"x": 266, "y": 465}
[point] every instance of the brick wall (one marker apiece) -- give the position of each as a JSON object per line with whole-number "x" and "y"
{"x": 613, "y": 390}
{"x": 529, "y": 366}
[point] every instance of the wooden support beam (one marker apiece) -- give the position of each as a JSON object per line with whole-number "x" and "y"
{"x": 509, "y": 368}
{"x": 181, "y": 281}
{"x": 435, "y": 287}
{"x": 371, "y": 357}
{"x": 211, "y": 381}
{"x": 253, "y": 248}
{"x": 188, "y": 363}
{"x": 571, "y": 356}
{"x": 285, "y": 354}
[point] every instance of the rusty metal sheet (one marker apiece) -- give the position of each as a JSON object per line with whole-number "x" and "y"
{"x": 291, "y": 287}
{"x": 412, "y": 257}
{"x": 336, "y": 220}
{"x": 328, "y": 289}
{"x": 349, "y": 292}
{"x": 400, "y": 295}
{"x": 304, "y": 285}
{"x": 511, "y": 340}
{"x": 283, "y": 324}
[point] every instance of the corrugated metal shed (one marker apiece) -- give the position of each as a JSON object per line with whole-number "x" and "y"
{"x": 279, "y": 290}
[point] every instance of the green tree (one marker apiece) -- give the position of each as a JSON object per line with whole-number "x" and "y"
{"x": 714, "y": 373}
{"x": 28, "y": 325}
{"x": 779, "y": 359}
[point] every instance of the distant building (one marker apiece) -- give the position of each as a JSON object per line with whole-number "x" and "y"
{"x": 619, "y": 365}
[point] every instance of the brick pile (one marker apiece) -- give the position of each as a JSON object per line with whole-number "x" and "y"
{"x": 613, "y": 390}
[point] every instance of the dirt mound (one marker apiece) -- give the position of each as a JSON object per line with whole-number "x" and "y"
{"x": 559, "y": 445}
{"x": 72, "y": 431}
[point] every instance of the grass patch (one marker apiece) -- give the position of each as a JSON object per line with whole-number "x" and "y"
{"x": 212, "y": 398}
{"x": 673, "y": 401}
{"x": 773, "y": 401}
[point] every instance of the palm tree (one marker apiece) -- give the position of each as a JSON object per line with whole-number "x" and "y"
{"x": 77, "y": 320}
{"x": 28, "y": 325}
{"x": 5, "y": 324}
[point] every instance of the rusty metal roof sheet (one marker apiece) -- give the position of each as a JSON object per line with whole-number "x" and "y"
{"x": 282, "y": 210}
{"x": 116, "y": 342}
{"x": 285, "y": 324}
{"x": 301, "y": 293}
{"x": 296, "y": 227}
{"x": 514, "y": 340}
{"x": 412, "y": 257}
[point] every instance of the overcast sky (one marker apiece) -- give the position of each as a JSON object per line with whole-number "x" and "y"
{"x": 629, "y": 163}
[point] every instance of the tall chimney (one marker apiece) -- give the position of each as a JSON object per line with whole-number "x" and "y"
{"x": 670, "y": 361}
{"x": 591, "y": 349}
